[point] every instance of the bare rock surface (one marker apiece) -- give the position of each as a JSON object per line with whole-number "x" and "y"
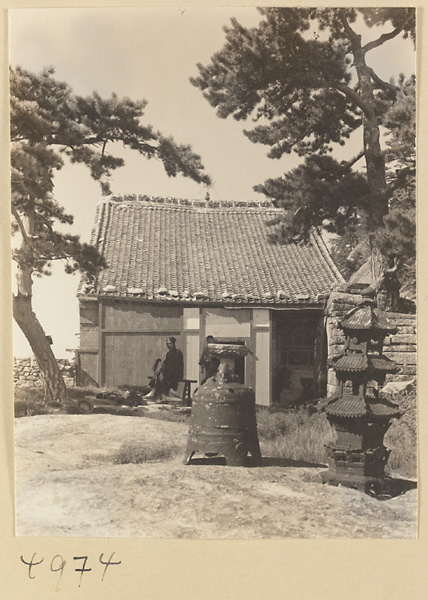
{"x": 68, "y": 484}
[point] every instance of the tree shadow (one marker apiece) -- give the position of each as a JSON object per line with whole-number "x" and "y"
{"x": 290, "y": 462}
{"x": 208, "y": 460}
{"x": 266, "y": 462}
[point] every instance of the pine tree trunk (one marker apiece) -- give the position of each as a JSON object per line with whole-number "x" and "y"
{"x": 388, "y": 287}
{"x": 53, "y": 382}
{"x": 375, "y": 161}
{"x": 375, "y": 171}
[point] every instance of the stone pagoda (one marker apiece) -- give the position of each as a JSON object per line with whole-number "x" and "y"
{"x": 359, "y": 415}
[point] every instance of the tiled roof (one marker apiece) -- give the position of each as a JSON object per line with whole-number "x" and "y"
{"x": 366, "y": 316}
{"x": 356, "y": 406}
{"x": 360, "y": 362}
{"x": 347, "y": 407}
{"x": 350, "y": 362}
{"x": 383, "y": 407}
{"x": 177, "y": 250}
{"x": 382, "y": 363}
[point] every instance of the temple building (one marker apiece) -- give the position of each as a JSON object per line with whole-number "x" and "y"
{"x": 197, "y": 268}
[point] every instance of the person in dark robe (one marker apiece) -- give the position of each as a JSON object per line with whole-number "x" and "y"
{"x": 206, "y": 355}
{"x": 209, "y": 363}
{"x": 167, "y": 373}
{"x": 211, "y": 369}
{"x": 173, "y": 365}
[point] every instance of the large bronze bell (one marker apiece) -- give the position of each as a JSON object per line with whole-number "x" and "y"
{"x": 223, "y": 418}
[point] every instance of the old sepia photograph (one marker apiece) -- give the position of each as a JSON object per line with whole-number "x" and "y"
{"x": 213, "y": 217}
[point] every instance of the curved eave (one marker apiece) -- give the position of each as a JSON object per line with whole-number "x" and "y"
{"x": 160, "y": 301}
{"x": 354, "y": 408}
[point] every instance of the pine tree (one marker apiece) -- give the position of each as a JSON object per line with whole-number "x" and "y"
{"x": 303, "y": 76}
{"x": 50, "y": 124}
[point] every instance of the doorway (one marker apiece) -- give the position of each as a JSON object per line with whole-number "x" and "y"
{"x": 293, "y": 352}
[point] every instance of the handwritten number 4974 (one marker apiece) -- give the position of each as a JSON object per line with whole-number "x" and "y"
{"x": 58, "y": 565}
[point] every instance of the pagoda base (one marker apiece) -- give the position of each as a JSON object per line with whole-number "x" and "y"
{"x": 362, "y": 483}
{"x": 363, "y": 470}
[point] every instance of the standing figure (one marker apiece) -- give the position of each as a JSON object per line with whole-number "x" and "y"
{"x": 169, "y": 373}
{"x": 209, "y": 363}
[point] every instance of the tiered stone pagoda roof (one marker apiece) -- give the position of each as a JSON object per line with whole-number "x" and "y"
{"x": 358, "y": 362}
{"x": 357, "y": 406}
{"x": 362, "y": 364}
{"x": 367, "y": 317}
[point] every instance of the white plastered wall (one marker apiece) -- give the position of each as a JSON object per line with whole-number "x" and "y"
{"x": 191, "y": 331}
{"x": 262, "y": 336}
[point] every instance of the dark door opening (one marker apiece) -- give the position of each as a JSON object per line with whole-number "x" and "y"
{"x": 294, "y": 344}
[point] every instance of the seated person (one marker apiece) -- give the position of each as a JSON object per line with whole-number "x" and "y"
{"x": 167, "y": 373}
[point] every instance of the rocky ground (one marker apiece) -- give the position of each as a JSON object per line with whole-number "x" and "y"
{"x": 69, "y": 484}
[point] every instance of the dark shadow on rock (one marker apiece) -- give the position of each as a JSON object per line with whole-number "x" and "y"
{"x": 217, "y": 459}
{"x": 266, "y": 462}
{"x": 290, "y": 462}
{"x": 394, "y": 487}
{"x": 208, "y": 460}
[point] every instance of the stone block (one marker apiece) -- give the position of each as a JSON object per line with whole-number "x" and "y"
{"x": 399, "y": 348}
{"x": 402, "y": 358}
{"x": 332, "y": 378}
{"x": 406, "y": 329}
{"x": 89, "y": 337}
{"x": 401, "y": 376}
{"x": 405, "y": 372}
{"x": 403, "y": 339}
{"x": 89, "y": 313}
{"x": 345, "y": 298}
{"x": 404, "y": 318}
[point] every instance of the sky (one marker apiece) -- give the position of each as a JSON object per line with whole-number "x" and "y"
{"x": 148, "y": 53}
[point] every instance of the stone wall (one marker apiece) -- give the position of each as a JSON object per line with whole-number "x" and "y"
{"x": 26, "y": 372}
{"x": 400, "y": 347}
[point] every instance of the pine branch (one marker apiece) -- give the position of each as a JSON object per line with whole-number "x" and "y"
{"x": 349, "y": 163}
{"x": 21, "y": 225}
{"x": 352, "y": 95}
{"x": 384, "y": 85}
{"x": 354, "y": 37}
{"x": 381, "y": 40}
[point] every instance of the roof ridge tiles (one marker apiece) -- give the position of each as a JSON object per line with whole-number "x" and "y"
{"x": 185, "y": 246}
{"x": 322, "y": 246}
{"x": 170, "y": 202}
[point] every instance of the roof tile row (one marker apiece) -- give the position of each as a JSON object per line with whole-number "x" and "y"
{"x": 356, "y": 362}
{"x": 357, "y": 406}
{"x": 169, "y": 251}
{"x": 365, "y": 317}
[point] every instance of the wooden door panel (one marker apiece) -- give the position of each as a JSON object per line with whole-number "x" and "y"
{"x": 129, "y": 357}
